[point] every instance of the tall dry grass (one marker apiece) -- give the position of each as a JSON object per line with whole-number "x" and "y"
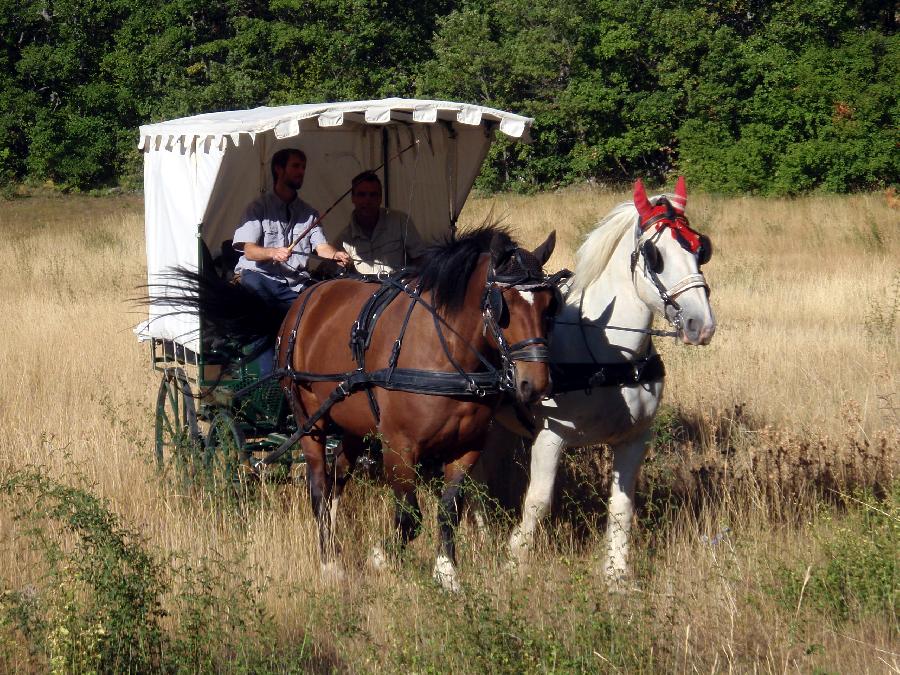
{"x": 796, "y": 397}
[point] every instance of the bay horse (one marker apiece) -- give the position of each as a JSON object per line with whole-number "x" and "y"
{"x": 642, "y": 259}
{"x": 421, "y": 360}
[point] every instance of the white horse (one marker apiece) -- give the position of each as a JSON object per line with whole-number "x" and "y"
{"x": 642, "y": 259}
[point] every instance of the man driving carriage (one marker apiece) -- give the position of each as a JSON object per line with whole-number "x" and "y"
{"x": 271, "y": 264}
{"x": 378, "y": 240}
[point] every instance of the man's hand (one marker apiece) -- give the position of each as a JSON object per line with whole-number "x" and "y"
{"x": 259, "y": 253}
{"x": 280, "y": 254}
{"x": 341, "y": 258}
{"x": 338, "y": 255}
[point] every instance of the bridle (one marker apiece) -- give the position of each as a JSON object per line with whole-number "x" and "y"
{"x": 493, "y": 308}
{"x": 645, "y": 249}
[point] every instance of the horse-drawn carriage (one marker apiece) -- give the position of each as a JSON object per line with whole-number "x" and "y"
{"x": 200, "y": 173}
{"x": 441, "y": 395}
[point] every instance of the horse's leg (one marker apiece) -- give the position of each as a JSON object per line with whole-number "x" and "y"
{"x": 545, "y": 454}
{"x": 400, "y": 473}
{"x": 627, "y": 459}
{"x": 344, "y": 463}
{"x": 448, "y": 519}
{"x": 320, "y": 494}
{"x": 487, "y": 472}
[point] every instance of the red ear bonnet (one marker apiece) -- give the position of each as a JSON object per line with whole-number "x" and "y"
{"x": 647, "y": 210}
{"x": 660, "y": 216}
{"x": 679, "y": 200}
{"x": 643, "y": 205}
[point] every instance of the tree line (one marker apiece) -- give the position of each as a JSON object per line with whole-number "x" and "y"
{"x": 740, "y": 95}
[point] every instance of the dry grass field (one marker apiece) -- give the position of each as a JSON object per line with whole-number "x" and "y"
{"x": 767, "y": 539}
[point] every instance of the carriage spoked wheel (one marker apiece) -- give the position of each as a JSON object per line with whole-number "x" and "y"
{"x": 225, "y": 454}
{"x": 177, "y": 430}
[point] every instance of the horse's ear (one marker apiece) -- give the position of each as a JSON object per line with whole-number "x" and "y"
{"x": 500, "y": 249}
{"x": 679, "y": 201}
{"x": 545, "y": 250}
{"x": 641, "y": 203}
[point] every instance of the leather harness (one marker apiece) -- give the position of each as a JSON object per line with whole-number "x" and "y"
{"x": 488, "y": 381}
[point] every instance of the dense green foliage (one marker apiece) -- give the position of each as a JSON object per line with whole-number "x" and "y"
{"x": 742, "y": 95}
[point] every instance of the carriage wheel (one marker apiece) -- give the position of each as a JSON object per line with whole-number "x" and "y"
{"x": 225, "y": 454}
{"x": 177, "y": 431}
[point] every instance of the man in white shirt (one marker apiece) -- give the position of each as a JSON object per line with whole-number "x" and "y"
{"x": 378, "y": 240}
{"x": 270, "y": 225}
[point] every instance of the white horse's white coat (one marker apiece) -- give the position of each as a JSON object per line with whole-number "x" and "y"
{"x": 616, "y": 415}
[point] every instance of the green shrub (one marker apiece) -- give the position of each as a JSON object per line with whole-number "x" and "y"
{"x": 99, "y": 606}
{"x": 857, "y": 572}
{"x": 97, "y": 602}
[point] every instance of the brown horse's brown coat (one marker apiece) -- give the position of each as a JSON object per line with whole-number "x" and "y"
{"x": 412, "y": 427}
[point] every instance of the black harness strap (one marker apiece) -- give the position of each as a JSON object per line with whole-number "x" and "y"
{"x": 397, "y": 379}
{"x": 585, "y": 376}
{"x": 398, "y": 343}
{"x": 361, "y": 333}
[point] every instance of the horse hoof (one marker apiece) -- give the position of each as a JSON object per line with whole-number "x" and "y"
{"x": 445, "y": 574}
{"x": 618, "y": 582}
{"x": 519, "y": 547}
{"x": 377, "y": 559}
{"x": 518, "y": 555}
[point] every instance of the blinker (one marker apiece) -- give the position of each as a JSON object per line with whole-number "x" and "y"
{"x": 496, "y": 304}
{"x": 705, "y": 251}
{"x": 652, "y": 259}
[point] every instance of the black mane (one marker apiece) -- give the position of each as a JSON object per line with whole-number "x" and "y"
{"x": 448, "y": 266}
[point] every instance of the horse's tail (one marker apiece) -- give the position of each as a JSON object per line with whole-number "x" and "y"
{"x": 228, "y": 312}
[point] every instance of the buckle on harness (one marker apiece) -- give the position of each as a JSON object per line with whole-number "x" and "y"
{"x": 508, "y": 377}
{"x": 598, "y": 379}
{"x": 639, "y": 370}
{"x": 474, "y": 389}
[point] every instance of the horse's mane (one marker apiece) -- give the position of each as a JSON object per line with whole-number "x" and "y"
{"x": 595, "y": 253}
{"x": 448, "y": 266}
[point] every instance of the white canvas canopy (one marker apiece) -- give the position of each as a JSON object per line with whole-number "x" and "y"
{"x": 200, "y": 172}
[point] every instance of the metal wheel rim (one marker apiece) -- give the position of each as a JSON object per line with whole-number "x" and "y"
{"x": 226, "y": 452}
{"x": 176, "y": 415}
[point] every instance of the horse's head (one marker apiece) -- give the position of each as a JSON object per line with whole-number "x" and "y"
{"x": 519, "y": 304}
{"x": 666, "y": 263}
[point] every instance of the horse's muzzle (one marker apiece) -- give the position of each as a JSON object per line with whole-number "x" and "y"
{"x": 532, "y": 382}
{"x": 696, "y": 332}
